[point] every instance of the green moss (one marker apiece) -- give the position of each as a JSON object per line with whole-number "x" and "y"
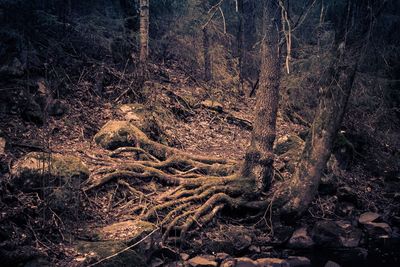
{"x": 115, "y": 134}
{"x": 288, "y": 143}
{"x": 32, "y": 168}
{"x": 51, "y": 164}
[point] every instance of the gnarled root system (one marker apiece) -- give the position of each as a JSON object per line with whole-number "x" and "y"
{"x": 202, "y": 186}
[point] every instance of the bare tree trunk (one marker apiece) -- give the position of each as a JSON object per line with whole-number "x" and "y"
{"x": 334, "y": 96}
{"x": 207, "y": 55}
{"x": 240, "y": 44}
{"x": 144, "y": 30}
{"x": 248, "y": 68}
{"x": 336, "y": 85}
{"x": 259, "y": 157}
{"x": 142, "y": 72}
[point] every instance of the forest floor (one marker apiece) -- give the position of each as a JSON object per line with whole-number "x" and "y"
{"x": 202, "y": 131}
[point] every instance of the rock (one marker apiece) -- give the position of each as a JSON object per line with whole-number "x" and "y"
{"x": 33, "y": 112}
{"x": 243, "y": 243}
{"x": 287, "y": 143}
{"x": 156, "y": 262}
{"x": 29, "y": 171}
{"x": 133, "y": 113}
{"x": 184, "y": 256}
{"x": 375, "y": 229}
{"x": 296, "y": 261}
{"x": 245, "y": 262}
{"x": 331, "y": 264}
{"x": 201, "y": 261}
{"x": 129, "y": 231}
{"x": 94, "y": 251}
{"x": 272, "y": 262}
{"x": 221, "y": 256}
{"x": 228, "y": 263}
{"x": 368, "y": 217}
{"x": 301, "y": 239}
{"x": 148, "y": 121}
{"x": 232, "y": 239}
{"x": 213, "y": 105}
{"x": 378, "y": 229}
{"x": 116, "y": 134}
{"x": 348, "y": 256}
{"x": 282, "y": 233}
{"x": 336, "y": 234}
{"x": 288, "y": 148}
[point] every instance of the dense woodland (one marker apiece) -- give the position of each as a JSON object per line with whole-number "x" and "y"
{"x": 200, "y": 133}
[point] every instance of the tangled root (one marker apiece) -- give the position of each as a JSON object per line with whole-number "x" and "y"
{"x": 203, "y": 185}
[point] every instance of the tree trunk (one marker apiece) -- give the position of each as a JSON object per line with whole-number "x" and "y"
{"x": 240, "y": 44}
{"x": 335, "y": 90}
{"x": 259, "y": 156}
{"x": 248, "y": 67}
{"x": 144, "y": 30}
{"x": 207, "y": 55}
{"x": 335, "y": 93}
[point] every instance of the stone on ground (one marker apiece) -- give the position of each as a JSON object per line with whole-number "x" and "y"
{"x": 301, "y": 239}
{"x": 116, "y": 237}
{"x": 30, "y": 170}
{"x": 116, "y": 134}
{"x": 368, "y": 217}
{"x": 272, "y": 262}
{"x": 333, "y": 234}
{"x": 148, "y": 121}
{"x": 130, "y": 231}
{"x": 288, "y": 148}
{"x": 378, "y": 229}
{"x": 202, "y": 261}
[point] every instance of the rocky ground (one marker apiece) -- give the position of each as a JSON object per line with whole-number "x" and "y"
{"x": 45, "y": 216}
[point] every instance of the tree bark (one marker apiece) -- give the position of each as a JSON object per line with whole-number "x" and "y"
{"x": 335, "y": 93}
{"x": 207, "y": 55}
{"x": 245, "y": 41}
{"x": 144, "y": 30}
{"x": 259, "y": 156}
{"x": 336, "y": 84}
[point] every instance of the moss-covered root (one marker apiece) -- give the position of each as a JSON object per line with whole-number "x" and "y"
{"x": 205, "y": 185}
{"x": 197, "y": 204}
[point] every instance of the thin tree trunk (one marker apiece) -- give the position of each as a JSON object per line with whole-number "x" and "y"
{"x": 144, "y": 30}
{"x": 240, "y": 44}
{"x": 207, "y": 55}
{"x": 259, "y": 156}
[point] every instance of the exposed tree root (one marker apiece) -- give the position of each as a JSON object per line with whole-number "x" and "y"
{"x": 203, "y": 185}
